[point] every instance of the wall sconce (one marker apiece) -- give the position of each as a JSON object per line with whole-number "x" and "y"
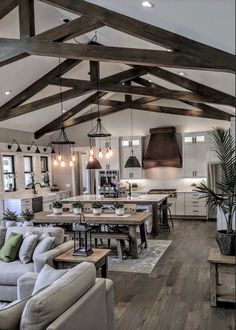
{"x": 18, "y": 146}
{"x": 37, "y": 151}
{"x": 49, "y": 146}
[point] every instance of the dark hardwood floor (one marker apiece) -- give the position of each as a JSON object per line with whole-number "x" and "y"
{"x": 176, "y": 294}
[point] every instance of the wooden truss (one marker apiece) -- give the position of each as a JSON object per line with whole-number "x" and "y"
{"x": 180, "y": 52}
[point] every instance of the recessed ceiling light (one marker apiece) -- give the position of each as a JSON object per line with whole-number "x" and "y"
{"x": 169, "y": 50}
{"x": 148, "y": 4}
{"x": 182, "y": 74}
{"x": 150, "y": 80}
{"x": 7, "y": 92}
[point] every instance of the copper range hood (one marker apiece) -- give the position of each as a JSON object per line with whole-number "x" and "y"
{"x": 162, "y": 150}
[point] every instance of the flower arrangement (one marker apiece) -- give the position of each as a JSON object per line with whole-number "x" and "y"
{"x": 27, "y": 215}
{"x": 78, "y": 205}
{"x": 96, "y": 205}
{"x": 9, "y": 215}
{"x": 57, "y": 205}
{"x": 118, "y": 205}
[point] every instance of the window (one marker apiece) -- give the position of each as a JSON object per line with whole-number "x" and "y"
{"x": 44, "y": 171}
{"x": 28, "y": 169}
{"x": 9, "y": 173}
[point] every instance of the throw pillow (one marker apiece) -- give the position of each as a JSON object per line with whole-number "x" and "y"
{"x": 45, "y": 244}
{"x": 27, "y": 247}
{"x": 10, "y": 249}
{"x": 10, "y": 316}
{"x": 47, "y": 276}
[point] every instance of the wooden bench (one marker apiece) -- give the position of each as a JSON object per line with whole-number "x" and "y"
{"x": 119, "y": 237}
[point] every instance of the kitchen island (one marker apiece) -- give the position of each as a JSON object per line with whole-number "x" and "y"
{"x": 154, "y": 200}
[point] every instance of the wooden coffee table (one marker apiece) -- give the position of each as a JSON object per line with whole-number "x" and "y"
{"x": 98, "y": 258}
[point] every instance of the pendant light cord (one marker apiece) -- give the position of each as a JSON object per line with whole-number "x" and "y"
{"x": 60, "y": 88}
{"x": 131, "y": 119}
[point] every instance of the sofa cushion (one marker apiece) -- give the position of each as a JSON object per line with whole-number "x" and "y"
{"x": 2, "y": 236}
{"x": 46, "y": 242}
{"x": 10, "y": 316}
{"x": 27, "y": 247}
{"x": 47, "y": 276}
{"x": 56, "y": 232}
{"x": 9, "y": 250}
{"x": 10, "y": 272}
{"x": 43, "y": 308}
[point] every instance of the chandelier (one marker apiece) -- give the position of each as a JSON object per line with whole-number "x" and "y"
{"x": 98, "y": 131}
{"x": 62, "y": 142}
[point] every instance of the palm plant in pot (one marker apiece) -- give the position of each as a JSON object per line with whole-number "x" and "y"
{"x": 97, "y": 208}
{"x": 119, "y": 207}
{"x": 28, "y": 216}
{"x": 57, "y": 207}
{"x": 9, "y": 218}
{"x": 78, "y": 207}
{"x": 225, "y": 200}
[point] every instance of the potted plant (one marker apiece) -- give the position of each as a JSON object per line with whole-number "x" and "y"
{"x": 119, "y": 207}
{"x": 57, "y": 207}
{"x": 97, "y": 208}
{"x": 225, "y": 200}
{"x": 10, "y": 218}
{"x": 28, "y": 216}
{"x": 78, "y": 207}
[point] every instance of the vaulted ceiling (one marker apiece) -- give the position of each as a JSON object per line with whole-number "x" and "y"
{"x": 138, "y": 61}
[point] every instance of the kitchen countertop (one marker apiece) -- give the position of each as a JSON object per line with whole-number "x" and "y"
{"x": 136, "y": 199}
{"x": 29, "y": 194}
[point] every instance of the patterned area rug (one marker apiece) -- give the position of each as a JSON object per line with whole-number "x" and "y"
{"x": 146, "y": 262}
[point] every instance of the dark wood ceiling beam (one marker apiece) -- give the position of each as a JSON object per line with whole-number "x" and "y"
{"x": 207, "y": 109}
{"x": 6, "y": 6}
{"x": 11, "y": 50}
{"x": 191, "y": 85}
{"x": 141, "y": 100}
{"x": 133, "y": 56}
{"x": 152, "y": 90}
{"x": 37, "y": 86}
{"x": 94, "y": 71}
{"x": 40, "y": 104}
{"x": 26, "y": 17}
{"x": 149, "y": 32}
{"x": 56, "y": 123}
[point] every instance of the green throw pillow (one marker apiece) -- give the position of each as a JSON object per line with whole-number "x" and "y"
{"x": 10, "y": 249}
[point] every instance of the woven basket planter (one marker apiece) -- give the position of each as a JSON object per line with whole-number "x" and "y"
{"x": 226, "y": 242}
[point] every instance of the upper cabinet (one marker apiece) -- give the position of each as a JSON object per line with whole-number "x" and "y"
{"x": 125, "y": 152}
{"x": 113, "y": 161}
{"x": 195, "y": 154}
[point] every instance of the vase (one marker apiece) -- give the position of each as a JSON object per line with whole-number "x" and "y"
{"x": 57, "y": 211}
{"x": 77, "y": 210}
{"x": 97, "y": 211}
{"x": 226, "y": 242}
{"x": 10, "y": 223}
{"x": 28, "y": 223}
{"x": 120, "y": 211}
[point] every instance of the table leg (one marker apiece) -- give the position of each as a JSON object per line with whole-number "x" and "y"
{"x": 143, "y": 234}
{"x": 133, "y": 242}
{"x": 213, "y": 283}
{"x": 155, "y": 224}
{"x": 104, "y": 268}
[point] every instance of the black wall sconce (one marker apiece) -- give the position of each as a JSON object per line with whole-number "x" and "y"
{"x": 18, "y": 146}
{"x": 37, "y": 151}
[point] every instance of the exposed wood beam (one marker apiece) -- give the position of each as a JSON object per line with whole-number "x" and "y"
{"x": 11, "y": 50}
{"x": 56, "y": 123}
{"x": 152, "y": 90}
{"x": 141, "y": 100}
{"x": 26, "y": 16}
{"x": 149, "y": 32}
{"x": 191, "y": 85}
{"x": 94, "y": 71}
{"x": 6, "y": 6}
{"x": 207, "y": 109}
{"x": 40, "y": 104}
{"x": 37, "y": 86}
{"x": 133, "y": 56}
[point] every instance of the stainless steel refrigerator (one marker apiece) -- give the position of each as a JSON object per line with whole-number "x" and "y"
{"x": 214, "y": 175}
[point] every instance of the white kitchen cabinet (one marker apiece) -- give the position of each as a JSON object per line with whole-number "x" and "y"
{"x": 193, "y": 205}
{"x": 195, "y": 154}
{"x": 125, "y": 153}
{"x": 179, "y": 204}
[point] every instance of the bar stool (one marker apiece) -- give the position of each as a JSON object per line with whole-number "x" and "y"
{"x": 164, "y": 220}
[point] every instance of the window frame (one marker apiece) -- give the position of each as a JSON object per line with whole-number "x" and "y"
{"x": 13, "y": 172}
{"x": 31, "y": 167}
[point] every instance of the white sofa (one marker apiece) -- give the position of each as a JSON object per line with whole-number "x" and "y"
{"x": 10, "y": 272}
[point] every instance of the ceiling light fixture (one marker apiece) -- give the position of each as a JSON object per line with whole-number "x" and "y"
{"x": 148, "y": 4}
{"x": 62, "y": 141}
{"x": 18, "y": 146}
{"x": 181, "y": 73}
{"x": 132, "y": 161}
{"x": 8, "y": 92}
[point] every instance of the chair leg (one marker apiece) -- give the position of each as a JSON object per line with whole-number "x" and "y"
{"x": 119, "y": 249}
{"x": 109, "y": 243}
{"x": 171, "y": 218}
{"x": 96, "y": 242}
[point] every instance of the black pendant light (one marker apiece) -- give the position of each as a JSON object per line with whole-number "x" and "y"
{"x": 93, "y": 164}
{"x": 132, "y": 161}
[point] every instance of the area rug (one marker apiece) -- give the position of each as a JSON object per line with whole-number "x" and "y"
{"x": 147, "y": 260}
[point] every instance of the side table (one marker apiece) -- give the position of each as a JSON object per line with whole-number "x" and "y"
{"x": 221, "y": 264}
{"x": 98, "y": 258}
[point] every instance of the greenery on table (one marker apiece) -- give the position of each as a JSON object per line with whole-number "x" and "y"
{"x": 57, "y": 205}
{"x": 118, "y": 205}
{"x": 96, "y": 205}
{"x": 224, "y": 146}
{"x": 78, "y": 205}
{"x": 9, "y": 215}
{"x": 28, "y": 215}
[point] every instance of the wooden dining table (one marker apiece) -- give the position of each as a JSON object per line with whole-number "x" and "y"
{"x": 131, "y": 220}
